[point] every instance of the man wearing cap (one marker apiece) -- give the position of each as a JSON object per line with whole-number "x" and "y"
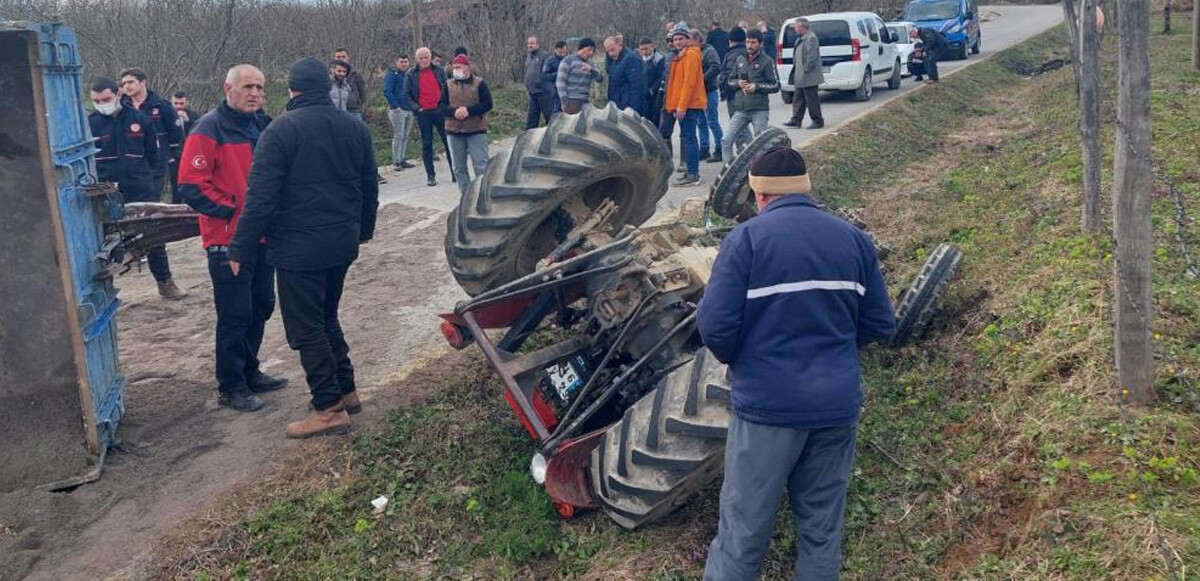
{"x": 575, "y": 77}
{"x": 686, "y": 100}
{"x": 468, "y": 100}
{"x": 313, "y": 193}
{"x": 794, "y": 294}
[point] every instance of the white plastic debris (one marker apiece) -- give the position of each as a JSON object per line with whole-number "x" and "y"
{"x": 379, "y": 504}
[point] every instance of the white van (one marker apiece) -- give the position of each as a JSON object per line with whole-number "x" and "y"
{"x": 857, "y": 52}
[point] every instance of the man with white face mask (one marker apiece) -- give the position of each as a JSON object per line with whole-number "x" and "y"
{"x": 125, "y": 136}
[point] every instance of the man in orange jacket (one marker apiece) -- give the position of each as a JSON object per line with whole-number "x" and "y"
{"x": 687, "y": 100}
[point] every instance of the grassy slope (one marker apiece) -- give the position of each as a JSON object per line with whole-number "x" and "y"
{"x": 993, "y": 450}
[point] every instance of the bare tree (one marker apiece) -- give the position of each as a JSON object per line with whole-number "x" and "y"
{"x": 1132, "y": 179}
{"x": 1167, "y": 17}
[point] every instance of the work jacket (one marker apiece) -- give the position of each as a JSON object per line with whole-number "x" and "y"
{"x": 216, "y": 166}
{"x": 167, "y": 127}
{"x": 760, "y": 70}
{"x": 794, "y": 293}
{"x": 472, "y": 93}
{"x": 128, "y": 152}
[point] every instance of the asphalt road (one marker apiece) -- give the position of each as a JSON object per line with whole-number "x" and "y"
{"x": 1003, "y": 27}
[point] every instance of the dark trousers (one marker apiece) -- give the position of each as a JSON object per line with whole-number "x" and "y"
{"x": 244, "y": 303}
{"x": 173, "y": 176}
{"x": 931, "y": 65}
{"x": 666, "y": 128}
{"x": 428, "y": 121}
{"x": 807, "y": 98}
{"x": 541, "y": 106}
{"x": 156, "y": 258}
{"x": 308, "y": 302}
{"x": 761, "y": 463}
{"x": 573, "y": 106}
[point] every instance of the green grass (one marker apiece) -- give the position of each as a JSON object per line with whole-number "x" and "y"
{"x": 992, "y": 450}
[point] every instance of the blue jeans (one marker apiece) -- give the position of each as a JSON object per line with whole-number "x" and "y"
{"x": 688, "y": 127}
{"x": 712, "y": 118}
{"x": 762, "y": 462}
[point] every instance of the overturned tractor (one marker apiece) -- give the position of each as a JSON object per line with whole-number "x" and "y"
{"x": 629, "y": 410}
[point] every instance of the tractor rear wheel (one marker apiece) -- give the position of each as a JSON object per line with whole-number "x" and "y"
{"x": 920, "y": 301}
{"x": 668, "y": 445}
{"x": 730, "y": 196}
{"x": 509, "y": 218}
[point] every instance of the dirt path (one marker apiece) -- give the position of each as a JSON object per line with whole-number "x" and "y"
{"x": 179, "y": 449}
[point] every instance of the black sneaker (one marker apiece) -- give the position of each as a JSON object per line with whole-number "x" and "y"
{"x": 815, "y": 125}
{"x": 381, "y": 179}
{"x": 704, "y": 153}
{"x": 790, "y": 124}
{"x": 716, "y": 158}
{"x": 241, "y": 400}
{"x": 406, "y": 165}
{"x": 261, "y": 382}
{"x": 688, "y": 180}
{"x": 432, "y": 181}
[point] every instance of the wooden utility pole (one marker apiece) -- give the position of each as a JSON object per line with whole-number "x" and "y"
{"x": 1167, "y": 17}
{"x": 1089, "y": 113}
{"x": 1196, "y": 35}
{"x": 418, "y": 41}
{"x": 1132, "y": 180}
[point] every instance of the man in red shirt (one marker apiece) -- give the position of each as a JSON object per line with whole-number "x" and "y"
{"x": 425, "y": 91}
{"x": 212, "y": 180}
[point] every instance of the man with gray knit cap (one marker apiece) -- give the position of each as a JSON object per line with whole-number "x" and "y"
{"x": 313, "y": 194}
{"x": 794, "y": 294}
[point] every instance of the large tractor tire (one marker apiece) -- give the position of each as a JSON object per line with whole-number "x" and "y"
{"x": 668, "y": 445}
{"x": 730, "y": 196}
{"x": 509, "y": 219}
{"x": 920, "y": 301}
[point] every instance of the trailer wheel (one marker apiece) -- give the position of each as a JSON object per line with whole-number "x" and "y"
{"x": 730, "y": 196}
{"x": 920, "y": 301}
{"x": 668, "y": 445}
{"x": 508, "y": 219}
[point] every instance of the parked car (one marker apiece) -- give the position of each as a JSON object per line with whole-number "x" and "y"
{"x": 958, "y": 20}
{"x": 904, "y": 43}
{"x": 857, "y": 52}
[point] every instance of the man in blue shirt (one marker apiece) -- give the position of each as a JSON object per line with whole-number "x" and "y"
{"x": 398, "y": 114}
{"x": 794, "y": 294}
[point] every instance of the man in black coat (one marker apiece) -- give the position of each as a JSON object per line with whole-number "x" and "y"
{"x": 313, "y": 194}
{"x": 934, "y": 43}
{"x": 718, "y": 39}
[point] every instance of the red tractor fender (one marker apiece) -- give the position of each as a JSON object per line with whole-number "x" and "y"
{"x": 567, "y": 474}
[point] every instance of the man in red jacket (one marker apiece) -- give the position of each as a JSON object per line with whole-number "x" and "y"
{"x": 213, "y": 173}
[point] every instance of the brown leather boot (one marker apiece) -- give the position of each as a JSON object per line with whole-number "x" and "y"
{"x": 351, "y": 402}
{"x": 320, "y": 423}
{"x": 169, "y": 291}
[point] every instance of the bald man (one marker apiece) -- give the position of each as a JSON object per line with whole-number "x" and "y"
{"x": 213, "y": 177}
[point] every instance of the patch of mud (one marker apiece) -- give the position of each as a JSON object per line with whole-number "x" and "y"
{"x": 180, "y": 450}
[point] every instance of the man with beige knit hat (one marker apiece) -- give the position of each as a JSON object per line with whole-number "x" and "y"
{"x": 794, "y": 293}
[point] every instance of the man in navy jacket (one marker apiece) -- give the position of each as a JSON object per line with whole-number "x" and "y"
{"x": 794, "y": 293}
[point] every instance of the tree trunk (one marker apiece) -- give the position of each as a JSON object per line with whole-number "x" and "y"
{"x": 1132, "y": 181}
{"x": 1089, "y": 113}
{"x": 1196, "y": 35}
{"x": 1072, "y": 20}
{"x": 1167, "y": 17}
{"x": 416, "y": 23}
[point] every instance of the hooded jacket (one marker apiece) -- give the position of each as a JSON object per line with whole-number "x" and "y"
{"x": 313, "y": 191}
{"x": 729, "y": 70}
{"x": 794, "y": 293}
{"x": 213, "y": 178}
{"x": 685, "y": 82}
